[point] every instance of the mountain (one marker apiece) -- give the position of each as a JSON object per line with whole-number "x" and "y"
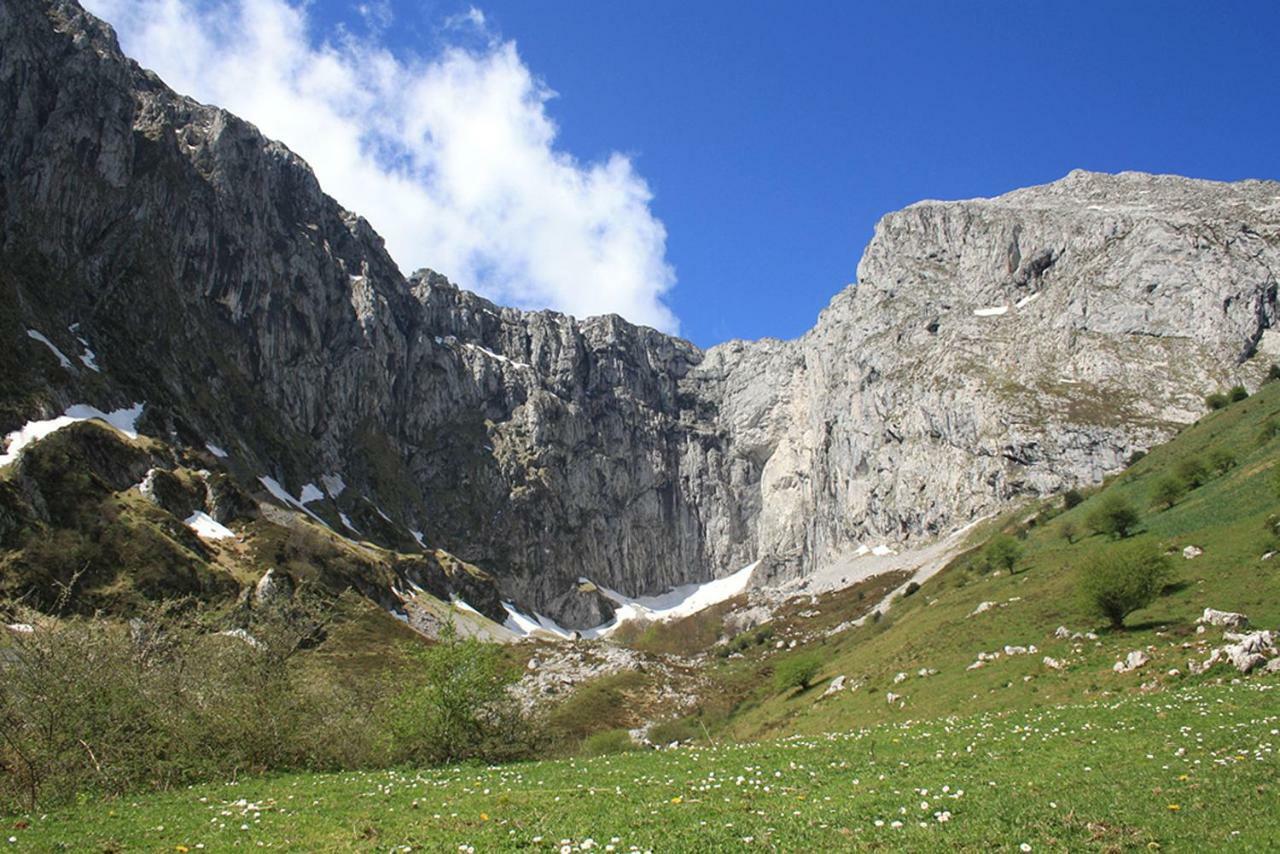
{"x": 162, "y": 252}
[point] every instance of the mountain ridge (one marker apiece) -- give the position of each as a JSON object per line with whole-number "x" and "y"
{"x": 215, "y": 280}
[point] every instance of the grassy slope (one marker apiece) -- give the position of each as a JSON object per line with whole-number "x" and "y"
{"x": 1196, "y": 767}
{"x": 933, "y": 629}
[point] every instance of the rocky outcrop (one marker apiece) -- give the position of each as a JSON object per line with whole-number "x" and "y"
{"x": 989, "y": 349}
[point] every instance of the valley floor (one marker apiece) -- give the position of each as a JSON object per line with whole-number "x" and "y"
{"x": 1181, "y": 769}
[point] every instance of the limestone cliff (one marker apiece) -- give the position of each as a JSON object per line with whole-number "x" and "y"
{"x": 989, "y": 349}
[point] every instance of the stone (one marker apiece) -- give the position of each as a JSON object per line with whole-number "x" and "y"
{"x": 1192, "y": 552}
{"x": 982, "y": 607}
{"x": 836, "y": 686}
{"x": 1132, "y": 661}
{"x": 1226, "y": 619}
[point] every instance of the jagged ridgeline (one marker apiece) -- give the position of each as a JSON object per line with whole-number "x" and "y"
{"x": 269, "y": 371}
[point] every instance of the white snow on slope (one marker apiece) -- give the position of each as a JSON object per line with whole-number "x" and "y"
{"x": 346, "y": 521}
{"x": 215, "y": 450}
{"x": 461, "y": 604}
{"x": 994, "y": 311}
{"x": 62, "y": 359}
{"x": 1027, "y": 300}
{"x": 683, "y": 601}
{"x": 206, "y": 527}
{"x": 310, "y": 492}
{"x": 523, "y": 624}
{"x": 333, "y": 484}
{"x": 499, "y": 356}
{"x": 282, "y": 495}
{"x": 124, "y": 420}
{"x": 417, "y": 536}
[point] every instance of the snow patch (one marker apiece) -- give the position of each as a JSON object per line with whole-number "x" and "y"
{"x": 347, "y": 522}
{"x": 683, "y": 601}
{"x": 62, "y": 359}
{"x": 124, "y": 420}
{"x": 461, "y": 605}
{"x": 499, "y": 356}
{"x": 881, "y": 551}
{"x": 310, "y": 492}
{"x": 417, "y": 536}
{"x": 206, "y": 527}
{"x": 333, "y": 484}
{"x": 21, "y": 628}
{"x": 1027, "y": 300}
{"x": 524, "y": 625}
{"x": 215, "y": 450}
{"x": 282, "y": 495}
{"x": 993, "y": 311}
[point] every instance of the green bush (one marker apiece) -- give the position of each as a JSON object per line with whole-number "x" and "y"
{"x": 1217, "y": 400}
{"x": 1135, "y": 458}
{"x": 796, "y": 671}
{"x": 1072, "y": 498}
{"x": 1193, "y": 471}
{"x": 1169, "y": 491}
{"x": 608, "y": 742}
{"x": 1003, "y": 552}
{"x": 1237, "y": 393}
{"x": 1222, "y": 461}
{"x": 1114, "y": 517}
{"x": 457, "y": 707}
{"x": 1273, "y": 373}
{"x": 1123, "y": 579}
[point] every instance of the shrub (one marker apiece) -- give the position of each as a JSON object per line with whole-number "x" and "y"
{"x": 1068, "y": 531}
{"x": 1114, "y": 517}
{"x": 1135, "y": 458}
{"x": 1003, "y": 552}
{"x": 1193, "y": 471}
{"x": 458, "y": 706}
{"x": 1273, "y": 373}
{"x": 796, "y": 672}
{"x": 1222, "y": 461}
{"x": 1217, "y": 400}
{"x": 1169, "y": 491}
{"x": 1270, "y": 429}
{"x": 1237, "y": 393}
{"x": 1123, "y": 579}
{"x": 1072, "y": 498}
{"x": 607, "y": 742}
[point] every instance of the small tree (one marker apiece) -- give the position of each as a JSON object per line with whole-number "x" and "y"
{"x": 1114, "y": 517}
{"x": 1123, "y": 579}
{"x": 1169, "y": 491}
{"x": 1222, "y": 461}
{"x": 1217, "y": 400}
{"x": 1003, "y": 552}
{"x": 797, "y": 671}
{"x": 1072, "y": 498}
{"x": 1193, "y": 471}
{"x": 1237, "y": 393}
{"x": 1273, "y": 373}
{"x": 458, "y": 706}
{"x": 1068, "y": 531}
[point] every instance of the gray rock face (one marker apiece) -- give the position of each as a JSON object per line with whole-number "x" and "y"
{"x": 989, "y": 349}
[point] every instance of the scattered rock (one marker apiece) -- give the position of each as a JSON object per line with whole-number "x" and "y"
{"x": 1132, "y": 661}
{"x": 892, "y": 698}
{"x": 836, "y": 686}
{"x": 1192, "y": 552}
{"x": 899, "y": 678}
{"x": 1052, "y": 663}
{"x": 982, "y": 606}
{"x": 1226, "y": 619}
{"x": 21, "y": 628}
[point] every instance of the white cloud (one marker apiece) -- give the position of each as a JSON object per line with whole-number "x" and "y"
{"x": 452, "y": 157}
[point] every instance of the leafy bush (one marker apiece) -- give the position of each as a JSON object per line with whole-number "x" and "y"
{"x": 608, "y": 742}
{"x": 1123, "y": 579}
{"x": 1169, "y": 491}
{"x": 1003, "y": 552}
{"x": 458, "y": 706}
{"x": 1273, "y": 373}
{"x": 1237, "y": 393}
{"x": 911, "y": 589}
{"x": 1114, "y": 517}
{"x": 1222, "y": 461}
{"x": 796, "y": 671}
{"x": 1217, "y": 400}
{"x": 1072, "y": 498}
{"x": 1068, "y": 531}
{"x": 1193, "y": 471}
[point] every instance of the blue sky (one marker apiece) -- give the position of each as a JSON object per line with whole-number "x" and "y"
{"x": 773, "y": 136}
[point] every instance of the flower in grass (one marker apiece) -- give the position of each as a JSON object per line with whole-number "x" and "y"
{"x": 1174, "y": 807}
{"x": 1024, "y": 847}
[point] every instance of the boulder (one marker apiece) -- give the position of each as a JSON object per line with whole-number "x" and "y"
{"x": 1226, "y": 619}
